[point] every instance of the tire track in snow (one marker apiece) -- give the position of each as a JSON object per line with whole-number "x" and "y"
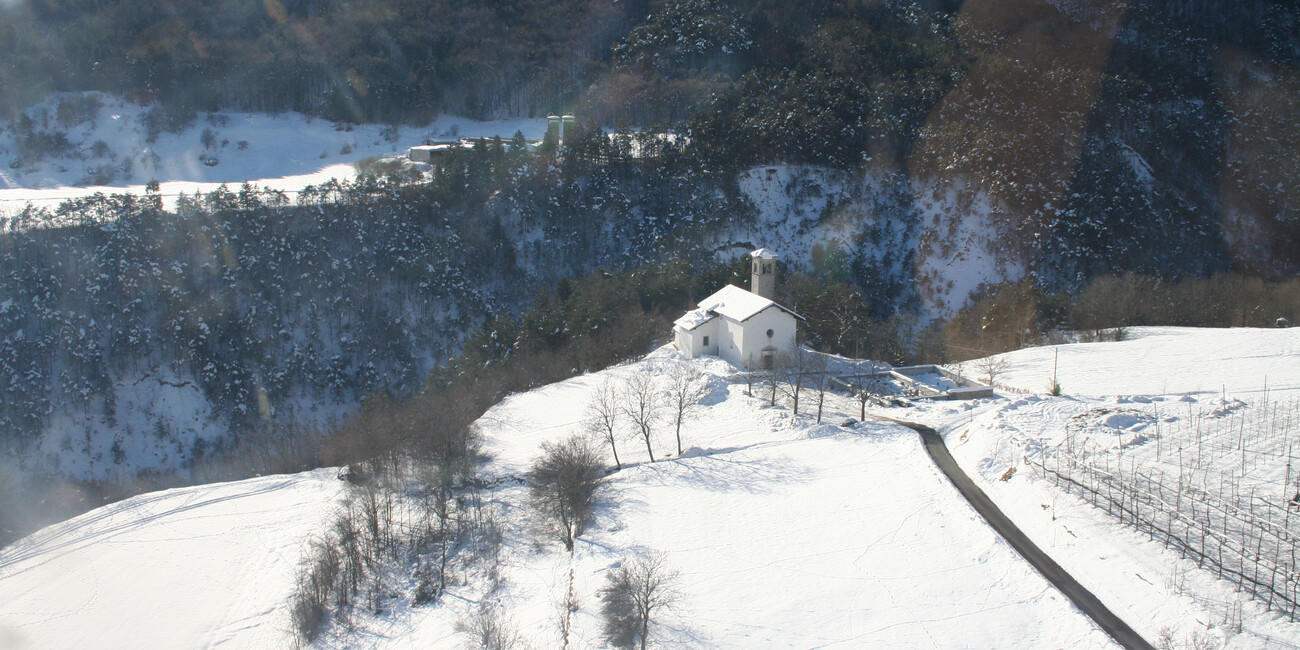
{"x": 65, "y": 537}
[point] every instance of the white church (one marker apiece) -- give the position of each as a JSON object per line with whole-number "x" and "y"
{"x": 747, "y": 328}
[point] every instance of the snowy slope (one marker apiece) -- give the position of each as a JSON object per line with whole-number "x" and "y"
{"x": 1164, "y": 396}
{"x": 1167, "y": 361}
{"x": 786, "y": 534}
{"x": 206, "y": 566}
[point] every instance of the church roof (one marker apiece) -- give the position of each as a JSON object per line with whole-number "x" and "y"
{"x": 730, "y": 302}
{"x": 763, "y": 254}
{"x": 694, "y": 318}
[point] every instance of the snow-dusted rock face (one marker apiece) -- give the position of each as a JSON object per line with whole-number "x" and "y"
{"x": 934, "y": 240}
{"x": 962, "y": 245}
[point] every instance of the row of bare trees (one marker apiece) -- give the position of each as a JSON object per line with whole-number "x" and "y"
{"x": 636, "y": 406}
{"x": 566, "y": 479}
{"x": 793, "y": 374}
{"x": 569, "y": 478}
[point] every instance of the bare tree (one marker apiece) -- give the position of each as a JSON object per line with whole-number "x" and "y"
{"x": 792, "y": 370}
{"x": 772, "y": 378}
{"x": 634, "y": 596}
{"x": 488, "y": 630}
{"x": 992, "y": 368}
{"x": 563, "y": 485}
{"x": 602, "y": 415}
{"x": 643, "y": 407}
{"x": 686, "y": 387}
{"x": 869, "y": 385}
{"x": 819, "y": 376}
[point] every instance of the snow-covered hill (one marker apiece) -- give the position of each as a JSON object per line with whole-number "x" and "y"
{"x": 205, "y": 566}
{"x": 785, "y": 532}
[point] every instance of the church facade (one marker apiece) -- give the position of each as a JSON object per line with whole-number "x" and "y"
{"x": 747, "y": 328}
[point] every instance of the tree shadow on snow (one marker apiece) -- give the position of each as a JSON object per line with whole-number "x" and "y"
{"x": 723, "y": 471}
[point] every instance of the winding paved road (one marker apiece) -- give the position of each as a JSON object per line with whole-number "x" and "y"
{"x": 1081, "y": 597}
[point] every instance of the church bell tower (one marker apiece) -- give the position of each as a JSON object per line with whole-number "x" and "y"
{"x": 763, "y": 279}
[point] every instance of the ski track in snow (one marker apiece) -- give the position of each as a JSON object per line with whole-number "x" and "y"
{"x": 189, "y": 567}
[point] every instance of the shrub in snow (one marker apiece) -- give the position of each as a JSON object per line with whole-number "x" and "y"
{"x": 76, "y": 109}
{"x": 991, "y": 368}
{"x": 487, "y": 630}
{"x": 634, "y": 595}
{"x": 563, "y": 485}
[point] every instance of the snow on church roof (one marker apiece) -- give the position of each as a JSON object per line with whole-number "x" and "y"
{"x": 763, "y": 254}
{"x": 694, "y": 318}
{"x": 730, "y": 301}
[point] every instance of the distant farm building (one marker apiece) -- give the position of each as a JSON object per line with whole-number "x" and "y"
{"x": 747, "y": 328}
{"x": 432, "y": 153}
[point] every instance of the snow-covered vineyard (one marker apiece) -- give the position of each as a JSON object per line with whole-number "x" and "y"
{"x": 781, "y": 531}
{"x": 1207, "y": 485}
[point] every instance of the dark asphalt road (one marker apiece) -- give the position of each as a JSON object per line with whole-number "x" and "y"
{"x": 1081, "y": 597}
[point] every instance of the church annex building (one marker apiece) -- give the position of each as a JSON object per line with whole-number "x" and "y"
{"x": 747, "y": 328}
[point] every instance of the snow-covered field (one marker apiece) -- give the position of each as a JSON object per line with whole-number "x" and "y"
{"x": 1167, "y": 361}
{"x": 785, "y": 532}
{"x": 284, "y": 152}
{"x": 202, "y": 566}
